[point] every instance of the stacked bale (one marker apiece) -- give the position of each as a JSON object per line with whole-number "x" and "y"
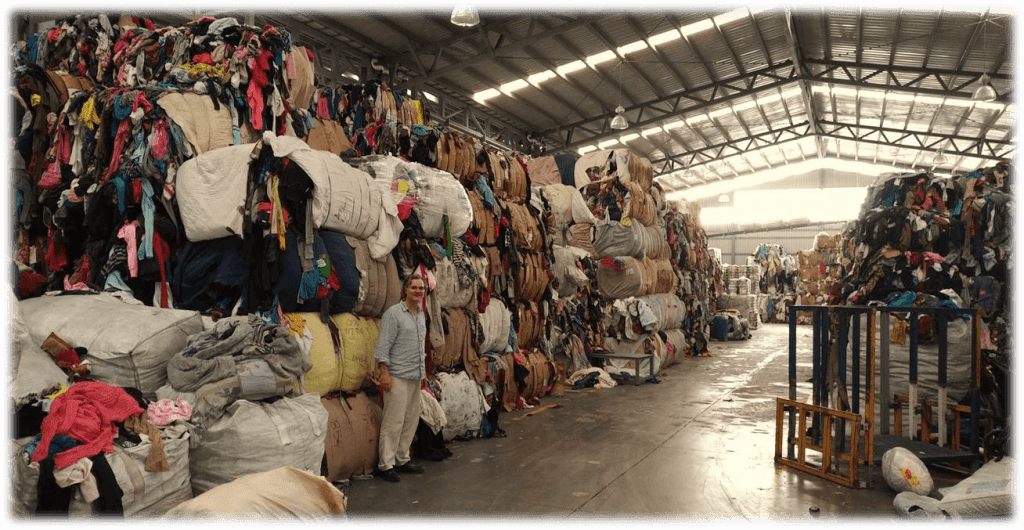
{"x": 780, "y": 279}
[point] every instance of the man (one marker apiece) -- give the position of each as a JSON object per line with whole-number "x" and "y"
{"x": 400, "y": 351}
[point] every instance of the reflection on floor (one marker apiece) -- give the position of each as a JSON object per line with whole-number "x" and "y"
{"x": 697, "y": 445}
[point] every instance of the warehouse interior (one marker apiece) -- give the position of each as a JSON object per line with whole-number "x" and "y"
{"x": 643, "y": 232}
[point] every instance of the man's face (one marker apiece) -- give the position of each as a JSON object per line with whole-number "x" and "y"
{"x": 415, "y": 291}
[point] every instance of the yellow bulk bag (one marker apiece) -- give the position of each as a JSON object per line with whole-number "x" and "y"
{"x": 358, "y": 337}
{"x": 325, "y": 375}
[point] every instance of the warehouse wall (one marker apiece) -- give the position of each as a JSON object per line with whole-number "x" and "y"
{"x": 736, "y": 248}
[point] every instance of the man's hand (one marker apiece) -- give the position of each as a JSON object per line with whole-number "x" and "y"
{"x": 381, "y": 378}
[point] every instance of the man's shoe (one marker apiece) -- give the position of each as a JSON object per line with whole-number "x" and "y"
{"x": 409, "y": 467}
{"x": 389, "y": 475}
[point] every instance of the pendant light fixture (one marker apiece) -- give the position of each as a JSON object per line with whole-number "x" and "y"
{"x": 619, "y": 121}
{"x": 465, "y": 15}
{"x": 985, "y": 90}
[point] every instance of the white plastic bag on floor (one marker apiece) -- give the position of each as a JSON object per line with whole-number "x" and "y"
{"x": 904, "y": 471}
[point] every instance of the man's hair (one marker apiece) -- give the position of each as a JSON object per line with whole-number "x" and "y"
{"x": 405, "y": 284}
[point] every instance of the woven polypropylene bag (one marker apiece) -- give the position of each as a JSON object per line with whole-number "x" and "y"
{"x": 904, "y": 471}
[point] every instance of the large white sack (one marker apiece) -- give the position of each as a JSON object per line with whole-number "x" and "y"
{"x": 210, "y": 191}
{"x": 33, "y": 370}
{"x": 496, "y": 322}
{"x": 284, "y": 492}
{"x": 252, "y": 437}
{"x": 463, "y": 404}
{"x": 345, "y": 198}
{"x": 144, "y": 493}
{"x": 129, "y": 344}
{"x": 568, "y": 275}
{"x": 987, "y": 492}
{"x": 433, "y": 192}
{"x": 566, "y": 204}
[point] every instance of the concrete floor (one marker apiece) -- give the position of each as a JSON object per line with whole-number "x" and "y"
{"x": 699, "y": 445}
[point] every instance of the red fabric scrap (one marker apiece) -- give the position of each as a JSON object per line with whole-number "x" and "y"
{"x": 87, "y": 412}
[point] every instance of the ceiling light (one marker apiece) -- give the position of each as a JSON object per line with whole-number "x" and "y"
{"x": 652, "y": 131}
{"x": 984, "y": 92}
{"x": 586, "y": 149}
{"x": 940, "y": 159}
{"x": 619, "y": 121}
{"x": 607, "y": 143}
{"x": 723, "y": 197}
{"x": 629, "y": 137}
{"x": 465, "y": 15}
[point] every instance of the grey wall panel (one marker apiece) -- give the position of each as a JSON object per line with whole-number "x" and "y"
{"x": 736, "y": 248}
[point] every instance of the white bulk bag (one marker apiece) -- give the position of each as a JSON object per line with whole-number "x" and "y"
{"x": 210, "y": 191}
{"x": 463, "y": 404}
{"x": 496, "y": 322}
{"x": 437, "y": 193}
{"x": 34, "y": 369}
{"x": 252, "y": 437}
{"x": 144, "y": 493}
{"x": 129, "y": 344}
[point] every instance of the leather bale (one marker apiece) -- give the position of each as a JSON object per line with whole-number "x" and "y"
{"x": 353, "y": 427}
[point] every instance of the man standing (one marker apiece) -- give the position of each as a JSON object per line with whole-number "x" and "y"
{"x": 400, "y": 351}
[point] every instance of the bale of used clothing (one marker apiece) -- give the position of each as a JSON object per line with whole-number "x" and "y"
{"x": 619, "y": 164}
{"x": 532, "y": 276}
{"x": 460, "y": 344}
{"x": 341, "y": 351}
{"x": 612, "y": 239}
{"x": 127, "y": 344}
{"x": 441, "y": 202}
{"x": 379, "y": 285}
{"x": 241, "y": 358}
{"x": 485, "y": 221}
{"x": 530, "y": 322}
{"x": 655, "y": 246}
{"x": 457, "y": 281}
{"x": 543, "y": 170}
{"x": 528, "y": 232}
{"x": 582, "y": 236}
{"x": 143, "y": 493}
{"x": 284, "y": 491}
{"x": 566, "y": 204}
{"x": 351, "y": 445}
{"x": 625, "y": 277}
{"x": 205, "y": 127}
{"x": 659, "y": 312}
{"x": 463, "y": 403}
{"x": 252, "y": 437}
{"x": 510, "y": 178}
{"x": 677, "y": 346}
{"x": 34, "y": 370}
{"x": 569, "y": 273}
{"x": 495, "y": 323}
{"x": 542, "y": 375}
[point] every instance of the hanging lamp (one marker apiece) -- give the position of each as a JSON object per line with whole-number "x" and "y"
{"x": 619, "y": 121}
{"x": 985, "y": 91}
{"x": 465, "y": 15}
